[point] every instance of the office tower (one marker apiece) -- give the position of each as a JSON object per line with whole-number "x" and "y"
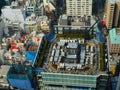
{"x": 79, "y": 7}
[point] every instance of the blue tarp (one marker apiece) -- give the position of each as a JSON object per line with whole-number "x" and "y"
{"x": 99, "y": 35}
{"x": 30, "y": 56}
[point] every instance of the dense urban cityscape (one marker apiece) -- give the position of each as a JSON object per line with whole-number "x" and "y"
{"x": 60, "y": 45}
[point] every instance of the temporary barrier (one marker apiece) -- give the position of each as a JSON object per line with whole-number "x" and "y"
{"x": 20, "y": 76}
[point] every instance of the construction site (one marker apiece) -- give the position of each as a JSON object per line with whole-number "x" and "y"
{"x": 74, "y": 62}
{"x": 73, "y": 55}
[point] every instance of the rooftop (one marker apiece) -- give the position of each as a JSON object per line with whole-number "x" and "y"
{"x": 76, "y": 21}
{"x": 115, "y": 36}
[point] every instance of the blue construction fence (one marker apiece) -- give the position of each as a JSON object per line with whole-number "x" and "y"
{"x": 21, "y": 77}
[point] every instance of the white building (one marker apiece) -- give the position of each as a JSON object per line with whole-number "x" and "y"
{"x": 50, "y": 5}
{"x": 3, "y": 76}
{"x": 14, "y": 14}
{"x": 79, "y": 7}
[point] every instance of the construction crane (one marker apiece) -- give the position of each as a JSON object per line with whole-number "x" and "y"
{"x": 92, "y": 27}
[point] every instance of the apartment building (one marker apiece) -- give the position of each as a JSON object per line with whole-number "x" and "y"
{"x": 79, "y": 7}
{"x": 116, "y": 19}
{"x": 111, "y": 13}
{"x": 114, "y": 40}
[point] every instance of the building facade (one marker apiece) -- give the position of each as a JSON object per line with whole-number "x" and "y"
{"x": 49, "y": 81}
{"x": 79, "y": 7}
{"x": 111, "y": 15}
{"x": 30, "y": 9}
{"x": 109, "y": 12}
{"x": 116, "y": 19}
{"x": 58, "y": 81}
{"x": 114, "y": 40}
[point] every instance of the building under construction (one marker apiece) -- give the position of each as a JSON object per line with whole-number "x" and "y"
{"x": 73, "y": 60}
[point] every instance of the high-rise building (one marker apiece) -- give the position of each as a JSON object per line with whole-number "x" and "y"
{"x": 111, "y": 13}
{"x": 79, "y": 7}
{"x": 116, "y": 18}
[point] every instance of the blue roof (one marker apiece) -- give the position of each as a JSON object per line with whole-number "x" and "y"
{"x": 114, "y": 37}
{"x": 30, "y": 56}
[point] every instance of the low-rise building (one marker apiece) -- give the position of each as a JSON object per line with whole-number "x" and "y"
{"x": 16, "y": 13}
{"x": 67, "y": 25}
{"x": 30, "y": 9}
{"x": 114, "y": 40}
{"x": 3, "y": 76}
{"x": 30, "y": 24}
{"x": 39, "y": 10}
{"x": 43, "y": 23}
